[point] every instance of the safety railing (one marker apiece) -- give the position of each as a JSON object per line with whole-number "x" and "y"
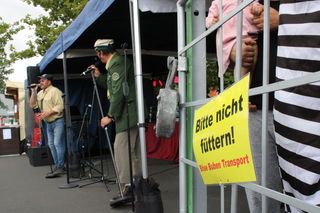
{"x": 264, "y": 90}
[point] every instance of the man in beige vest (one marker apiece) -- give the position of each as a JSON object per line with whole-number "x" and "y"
{"x": 49, "y": 101}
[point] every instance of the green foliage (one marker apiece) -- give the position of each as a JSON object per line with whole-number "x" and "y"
{"x": 60, "y": 14}
{"x": 3, "y": 106}
{"x": 6, "y": 34}
{"x": 228, "y": 78}
{"x": 212, "y": 76}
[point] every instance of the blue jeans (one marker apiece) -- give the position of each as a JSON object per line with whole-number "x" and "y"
{"x": 56, "y": 141}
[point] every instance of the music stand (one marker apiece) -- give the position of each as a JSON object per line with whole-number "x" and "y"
{"x": 81, "y": 147}
{"x": 83, "y": 161}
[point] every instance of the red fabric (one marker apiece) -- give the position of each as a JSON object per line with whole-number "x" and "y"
{"x": 167, "y": 149}
{"x": 36, "y": 118}
{"x": 36, "y": 137}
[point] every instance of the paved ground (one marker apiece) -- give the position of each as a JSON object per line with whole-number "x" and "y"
{"x": 23, "y": 188}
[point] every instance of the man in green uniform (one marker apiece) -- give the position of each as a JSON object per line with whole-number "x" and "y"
{"x": 117, "y": 74}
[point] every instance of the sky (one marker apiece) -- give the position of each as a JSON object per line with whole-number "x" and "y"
{"x": 11, "y": 11}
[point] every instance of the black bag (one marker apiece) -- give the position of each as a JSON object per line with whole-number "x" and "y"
{"x": 23, "y": 146}
{"x": 147, "y": 196}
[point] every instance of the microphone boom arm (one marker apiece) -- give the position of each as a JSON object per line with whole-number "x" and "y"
{"x": 86, "y": 71}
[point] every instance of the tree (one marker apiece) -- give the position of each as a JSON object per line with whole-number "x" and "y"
{"x": 6, "y": 34}
{"x": 60, "y": 14}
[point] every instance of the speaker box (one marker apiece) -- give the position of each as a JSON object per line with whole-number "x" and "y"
{"x": 40, "y": 156}
{"x": 32, "y": 73}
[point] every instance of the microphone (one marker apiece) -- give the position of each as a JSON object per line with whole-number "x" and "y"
{"x": 32, "y": 86}
{"x": 86, "y": 72}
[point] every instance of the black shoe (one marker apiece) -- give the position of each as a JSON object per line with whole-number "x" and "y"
{"x": 127, "y": 198}
{"x": 121, "y": 201}
{"x": 127, "y": 190}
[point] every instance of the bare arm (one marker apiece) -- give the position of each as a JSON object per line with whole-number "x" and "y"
{"x": 33, "y": 97}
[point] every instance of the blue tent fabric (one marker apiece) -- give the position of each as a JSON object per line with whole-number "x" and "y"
{"x": 91, "y": 12}
{"x": 111, "y": 19}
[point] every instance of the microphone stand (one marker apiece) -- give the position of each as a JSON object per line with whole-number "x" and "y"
{"x": 96, "y": 94}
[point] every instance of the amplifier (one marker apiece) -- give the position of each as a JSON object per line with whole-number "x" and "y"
{"x": 40, "y": 156}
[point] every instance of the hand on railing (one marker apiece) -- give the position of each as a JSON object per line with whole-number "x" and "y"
{"x": 258, "y": 14}
{"x": 248, "y": 52}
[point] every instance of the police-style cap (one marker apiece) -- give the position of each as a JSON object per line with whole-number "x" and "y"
{"x": 46, "y": 76}
{"x": 102, "y": 44}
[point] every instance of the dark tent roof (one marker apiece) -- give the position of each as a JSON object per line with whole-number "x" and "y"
{"x": 110, "y": 19}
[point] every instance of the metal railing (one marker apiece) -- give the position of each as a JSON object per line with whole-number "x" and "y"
{"x": 264, "y": 90}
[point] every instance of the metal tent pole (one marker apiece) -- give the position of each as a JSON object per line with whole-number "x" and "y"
{"x": 67, "y": 185}
{"x": 135, "y": 26}
{"x": 198, "y": 93}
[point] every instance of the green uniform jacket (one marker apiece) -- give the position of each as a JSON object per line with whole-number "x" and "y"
{"x": 113, "y": 81}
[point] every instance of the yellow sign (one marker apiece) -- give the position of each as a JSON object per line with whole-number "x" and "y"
{"x": 221, "y": 137}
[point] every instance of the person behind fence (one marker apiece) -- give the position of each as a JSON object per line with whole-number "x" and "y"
{"x": 297, "y": 109}
{"x": 49, "y": 101}
{"x": 113, "y": 81}
{"x": 273, "y": 180}
{"x": 230, "y": 30}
